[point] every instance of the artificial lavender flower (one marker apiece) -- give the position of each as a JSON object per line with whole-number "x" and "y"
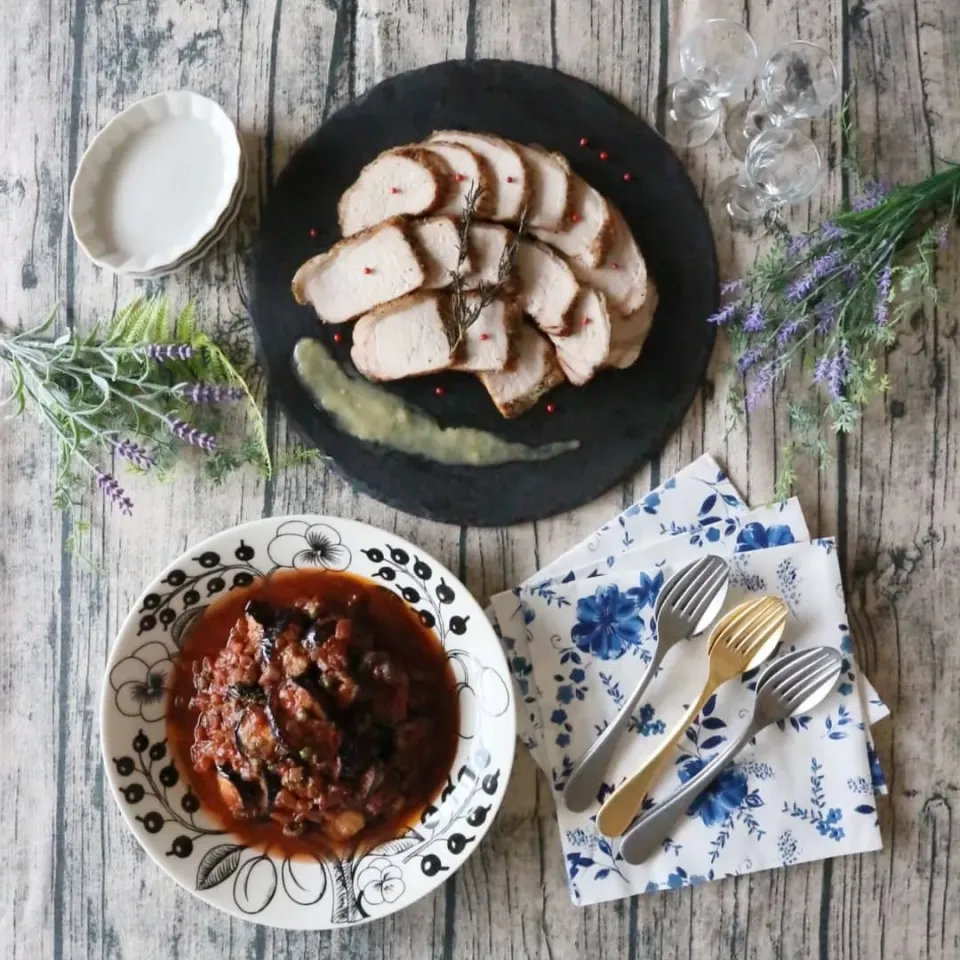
{"x": 724, "y": 314}
{"x": 801, "y": 288}
{"x": 788, "y": 331}
{"x": 943, "y": 236}
{"x": 136, "y": 454}
{"x": 208, "y": 393}
{"x": 821, "y": 369}
{"x": 161, "y": 352}
{"x": 881, "y": 312}
{"x": 797, "y": 243}
{"x": 830, "y": 232}
{"x": 826, "y": 314}
{"x": 749, "y": 358}
{"x": 183, "y": 431}
{"x": 762, "y": 380}
{"x": 755, "y": 319}
{"x": 874, "y": 192}
{"x": 837, "y": 373}
{"x": 113, "y": 491}
{"x": 731, "y": 287}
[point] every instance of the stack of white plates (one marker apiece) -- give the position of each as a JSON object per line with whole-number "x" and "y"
{"x": 158, "y": 186}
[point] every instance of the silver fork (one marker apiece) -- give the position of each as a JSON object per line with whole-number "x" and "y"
{"x": 792, "y": 683}
{"x": 687, "y": 605}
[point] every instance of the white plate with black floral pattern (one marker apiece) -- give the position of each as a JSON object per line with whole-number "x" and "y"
{"x": 166, "y": 816}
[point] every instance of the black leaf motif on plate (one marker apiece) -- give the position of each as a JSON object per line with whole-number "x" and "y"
{"x": 218, "y": 863}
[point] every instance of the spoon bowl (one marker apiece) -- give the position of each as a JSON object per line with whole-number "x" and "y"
{"x": 740, "y": 641}
{"x": 793, "y": 683}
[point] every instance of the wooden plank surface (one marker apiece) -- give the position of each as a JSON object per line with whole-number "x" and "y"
{"x": 75, "y": 883}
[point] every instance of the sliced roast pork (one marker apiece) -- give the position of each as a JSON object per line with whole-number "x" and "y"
{"x": 438, "y": 241}
{"x": 360, "y": 273}
{"x": 550, "y": 194}
{"x": 469, "y": 170}
{"x": 488, "y": 341}
{"x": 488, "y": 242}
{"x": 586, "y": 347}
{"x": 623, "y": 275}
{"x": 535, "y": 371}
{"x": 588, "y": 230}
{"x": 546, "y": 287}
{"x": 509, "y": 169}
{"x": 407, "y": 181}
{"x": 630, "y": 332}
{"x": 406, "y": 338}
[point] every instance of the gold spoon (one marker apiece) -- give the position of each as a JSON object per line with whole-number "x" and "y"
{"x": 740, "y": 641}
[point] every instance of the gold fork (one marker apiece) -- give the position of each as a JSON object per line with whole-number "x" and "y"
{"x": 740, "y": 641}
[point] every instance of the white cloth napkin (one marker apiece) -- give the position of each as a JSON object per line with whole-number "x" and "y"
{"x": 801, "y": 793}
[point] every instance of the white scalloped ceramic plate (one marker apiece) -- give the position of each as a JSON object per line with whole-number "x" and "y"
{"x": 155, "y": 182}
{"x": 210, "y": 241}
{"x": 166, "y": 815}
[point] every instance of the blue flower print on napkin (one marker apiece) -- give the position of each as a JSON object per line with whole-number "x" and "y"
{"x": 646, "y": 593}
{"x": 719, "y": 800}
{"x": 755, "y": 536}
{"x": 607, "y": 623}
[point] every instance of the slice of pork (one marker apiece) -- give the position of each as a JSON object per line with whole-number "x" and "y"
{"x": 360, "y": 273}
{"x": 488, "y": 242}
{"x": 535, "y": 372}
{"x": 488, "y": 343}
{"x": 470, "y": 170}
{"x": 623, "y": 275}
{"x": 407, "y": 181}
{"x": 588, "y": 230}
{"x": 550, "y": 194}
{"x": 438, "y": 241}
{"x": 546, "y": 287}
{"x": 509, "y": 169}
{"x": 586, "y": 347}
{"x": 630, "y": 332}
{"x": 406, "y": 338}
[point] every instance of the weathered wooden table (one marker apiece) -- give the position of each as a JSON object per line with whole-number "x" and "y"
{"x": 74, "y": 881}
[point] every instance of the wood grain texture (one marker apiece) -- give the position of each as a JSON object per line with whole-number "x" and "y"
{"x": 75, "y": 883}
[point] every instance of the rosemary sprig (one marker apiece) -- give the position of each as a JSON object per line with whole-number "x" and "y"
{"x": 469, "y": 304}
{"x": 136, "y": 388}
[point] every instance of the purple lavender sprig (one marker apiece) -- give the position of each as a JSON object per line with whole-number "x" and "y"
{"x": 725, "y": 314}
{"x": 199, "y": 393}
{"x": 113, "y": 491}
{"x": 137, "y": 455}
{"x": 881, "y": 313}
{"x": 190, "y": 434}
{"x": 162, "y": 352}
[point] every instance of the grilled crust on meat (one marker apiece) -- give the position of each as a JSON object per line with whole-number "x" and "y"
{"x": 451, "y": 136}
{"x": 435, "y": 165}
{"x": 486, "y": 203}
{"x": 560, "y": 160}
{"x": 301, "y": 277}
{"x": 551, "y": 376}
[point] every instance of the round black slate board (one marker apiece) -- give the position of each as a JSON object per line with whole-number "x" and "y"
{"x": 622, "y": 418}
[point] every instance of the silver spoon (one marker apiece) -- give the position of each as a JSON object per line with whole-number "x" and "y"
{"x": 792, "y": 683}
{"x": 688, "y": 603}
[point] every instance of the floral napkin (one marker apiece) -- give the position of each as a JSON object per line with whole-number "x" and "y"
{"x": 699, "y": 507}
{"x": 802, "y": 792}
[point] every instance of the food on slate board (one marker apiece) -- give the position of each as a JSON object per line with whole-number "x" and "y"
{"x": 322, "y": 710}
{"x": 574, "y": 269}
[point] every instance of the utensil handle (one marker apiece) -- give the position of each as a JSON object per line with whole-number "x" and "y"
{"x": 644, "y": 838}
{"x": 584, "y": 783}
{"x": 622, "y": 805}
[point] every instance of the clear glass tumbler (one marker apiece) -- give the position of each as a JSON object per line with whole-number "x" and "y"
{"x": 718, "y": 58}
{"x": 799, "y": 81}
